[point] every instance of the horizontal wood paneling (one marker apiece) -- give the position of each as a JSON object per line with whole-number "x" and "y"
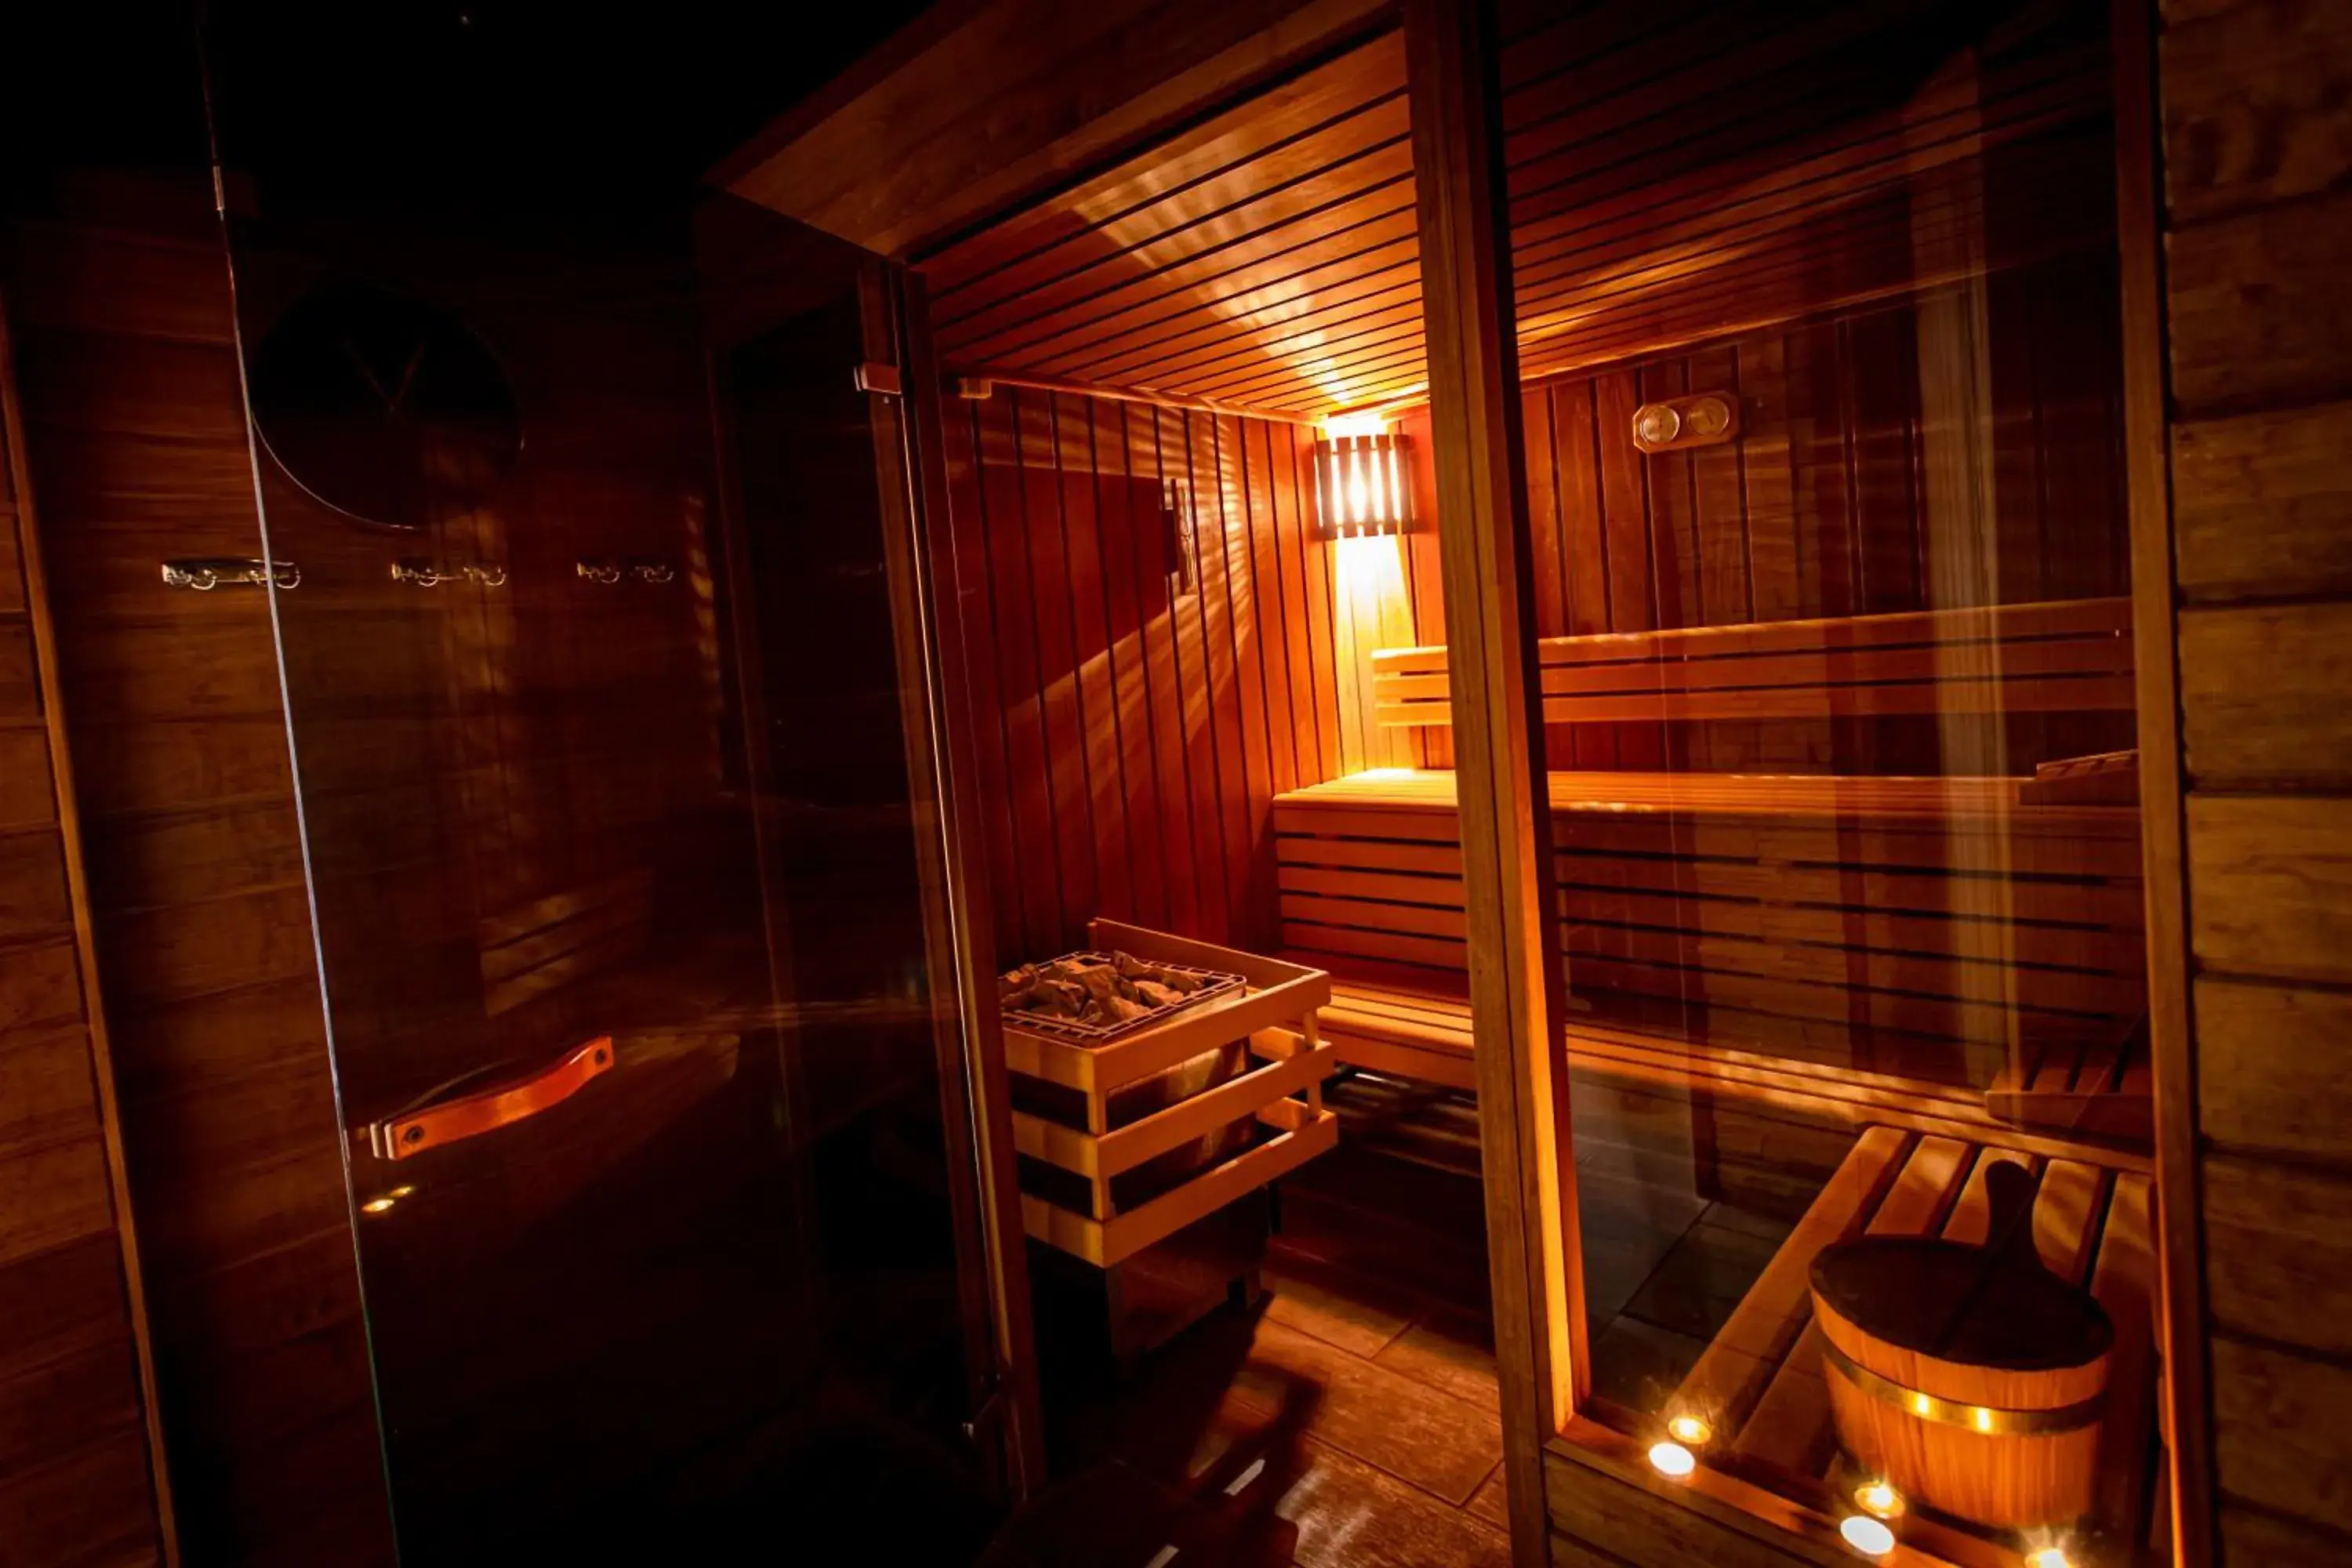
{"x": 138, "y": 453}
{"x": 1133, "y": 738}
{"x": 1819, "y": 508}
{"x": 2282, "y": 1430}
{"x": 1269, "y": 259}
{"x": 2282, "y": 1075}
{"x": 2270, "y": 880}
{"x": 1672, "y": 180}
{"x": 2260, "y": 500}
{"x": 77, "y": 1479}
{"x": 2258, "y": 171}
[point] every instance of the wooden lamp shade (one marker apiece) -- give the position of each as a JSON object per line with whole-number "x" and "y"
{"x": 1972, "y": 1377}
{"x": 1361, "y": 487}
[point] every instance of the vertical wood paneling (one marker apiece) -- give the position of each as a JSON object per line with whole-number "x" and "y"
{"x": 1141, "y": 735}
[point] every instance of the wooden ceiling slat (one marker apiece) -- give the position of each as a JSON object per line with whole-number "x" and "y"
{"x": 1347, "y": 198}
{"x": 1376, "y": 223}
{"x": 1379, "y": 352}
{"x": 1332, "y": 91}
{"x": 1272, "y": 328}
{"x": 1402, "y": 262}
{"x": 1774, "y": 152}
{"x": 1381, "y": 325}
{"x": 1661, "y": 244}
{"x": 1356, "y": 152}
{"x": 1673, "y": 178}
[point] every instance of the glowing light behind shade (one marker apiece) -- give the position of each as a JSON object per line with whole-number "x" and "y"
{"x": 1360, "y": 486}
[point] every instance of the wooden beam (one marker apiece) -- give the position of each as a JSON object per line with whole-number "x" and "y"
{"x": 980, "y": 107}
{"x": 1510, "y": 912}
{"x": 2164, "y": 854}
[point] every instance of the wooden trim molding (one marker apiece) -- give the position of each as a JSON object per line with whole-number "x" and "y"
{"x": 2154, "y": 600}
{"x": 1511, "y": 913}
{"x": 69, "y": 814}
{"x": 939, "y": 599}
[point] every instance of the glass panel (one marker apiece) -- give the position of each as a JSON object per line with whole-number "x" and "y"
{"x": 1818, "y": 326}
{"x": 607, "y": 804}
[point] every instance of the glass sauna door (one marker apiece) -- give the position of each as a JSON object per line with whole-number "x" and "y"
{"x": 628, "y": 880}
{"x": 1818, "y": 331}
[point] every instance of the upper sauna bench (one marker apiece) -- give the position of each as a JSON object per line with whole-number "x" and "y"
{"x": 1980, "y": 933}
{"x": 2072, "y": 656}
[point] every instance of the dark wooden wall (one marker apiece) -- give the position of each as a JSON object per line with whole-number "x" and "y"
{"x": 136, "y": 437}
{"x": 76, "y": 1481}
{"x": 1131, "y": 738}
{"x": 1819, "y": 507}
{"x": 2257, "y": 107}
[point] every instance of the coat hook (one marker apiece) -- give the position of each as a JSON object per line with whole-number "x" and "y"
{"x": 432, "y": 575}
{"x": 206, "y": 574}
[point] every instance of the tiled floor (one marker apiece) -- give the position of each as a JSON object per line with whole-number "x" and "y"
{"x": 1349, "y": 1422}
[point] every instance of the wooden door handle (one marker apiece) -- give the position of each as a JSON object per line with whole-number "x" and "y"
{"x": 488, "y": 1110}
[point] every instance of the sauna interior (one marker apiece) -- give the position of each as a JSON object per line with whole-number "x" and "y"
{"x": 1376, "y": 787}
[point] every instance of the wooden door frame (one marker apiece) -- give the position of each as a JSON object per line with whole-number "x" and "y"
{"x": 1516, "y": 980}
{"x": 2148, "y": 494}
{"x": 1510, "y": 911}
{"x": 932, "y": 601}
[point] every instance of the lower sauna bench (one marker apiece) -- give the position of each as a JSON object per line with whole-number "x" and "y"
{"x": 1759, "y": 1383}
{"x": 1908, "y": 927}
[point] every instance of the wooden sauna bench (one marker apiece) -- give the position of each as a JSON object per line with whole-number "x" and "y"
{"x": 1897, "y": 926}
{"x": 1759, "y": 1382}
{"x": 2064, "y": 657}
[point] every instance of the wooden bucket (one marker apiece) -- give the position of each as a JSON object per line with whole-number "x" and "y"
{"x": 1971, "y": 1378}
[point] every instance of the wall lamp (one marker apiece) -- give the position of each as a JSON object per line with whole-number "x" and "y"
{"x": 1361, "y": 486}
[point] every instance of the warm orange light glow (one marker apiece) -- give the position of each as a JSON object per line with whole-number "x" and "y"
{"x": 1359, "y": 486}
{"x": 1867, "y": 1535}
{"x": 1878, "y": 1498}
{"x": 1672, "y": 1460}
{"x": 2049, "y": 1557}
{"x": 1690, "y": 1429}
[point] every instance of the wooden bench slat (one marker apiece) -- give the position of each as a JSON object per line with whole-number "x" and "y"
{"x": 1731, "y": 1372}
{"x": 1971, "y": 1217}
{"x": 1999, "y": 623}
{"x": 2068, "y": 656}
{"x": 1826, "y": 670}
{"x": 2064, "y": 1214}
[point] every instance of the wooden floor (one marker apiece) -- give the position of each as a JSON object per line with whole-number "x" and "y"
{"x": 1351, "y": 1420}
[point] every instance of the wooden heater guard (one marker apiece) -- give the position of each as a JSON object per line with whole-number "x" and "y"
{"x": 1276, "y": 1012}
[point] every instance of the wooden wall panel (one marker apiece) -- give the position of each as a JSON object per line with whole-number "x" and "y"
{"x": 2257, "y": 100}
{"x": 78, "y": 1480}
{"x": 1817, "y": 509}
{"x": 1131, "y": 738}
{"x": 137, "y": 449}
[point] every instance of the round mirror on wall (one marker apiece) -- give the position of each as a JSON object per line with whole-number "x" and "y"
{"x": 383, "y": 407}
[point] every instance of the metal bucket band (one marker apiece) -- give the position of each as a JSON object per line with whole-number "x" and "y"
{"x": 1982, "y": 1418}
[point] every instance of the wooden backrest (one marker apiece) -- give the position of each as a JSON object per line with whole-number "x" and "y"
{"x": 2069, "y": 656}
